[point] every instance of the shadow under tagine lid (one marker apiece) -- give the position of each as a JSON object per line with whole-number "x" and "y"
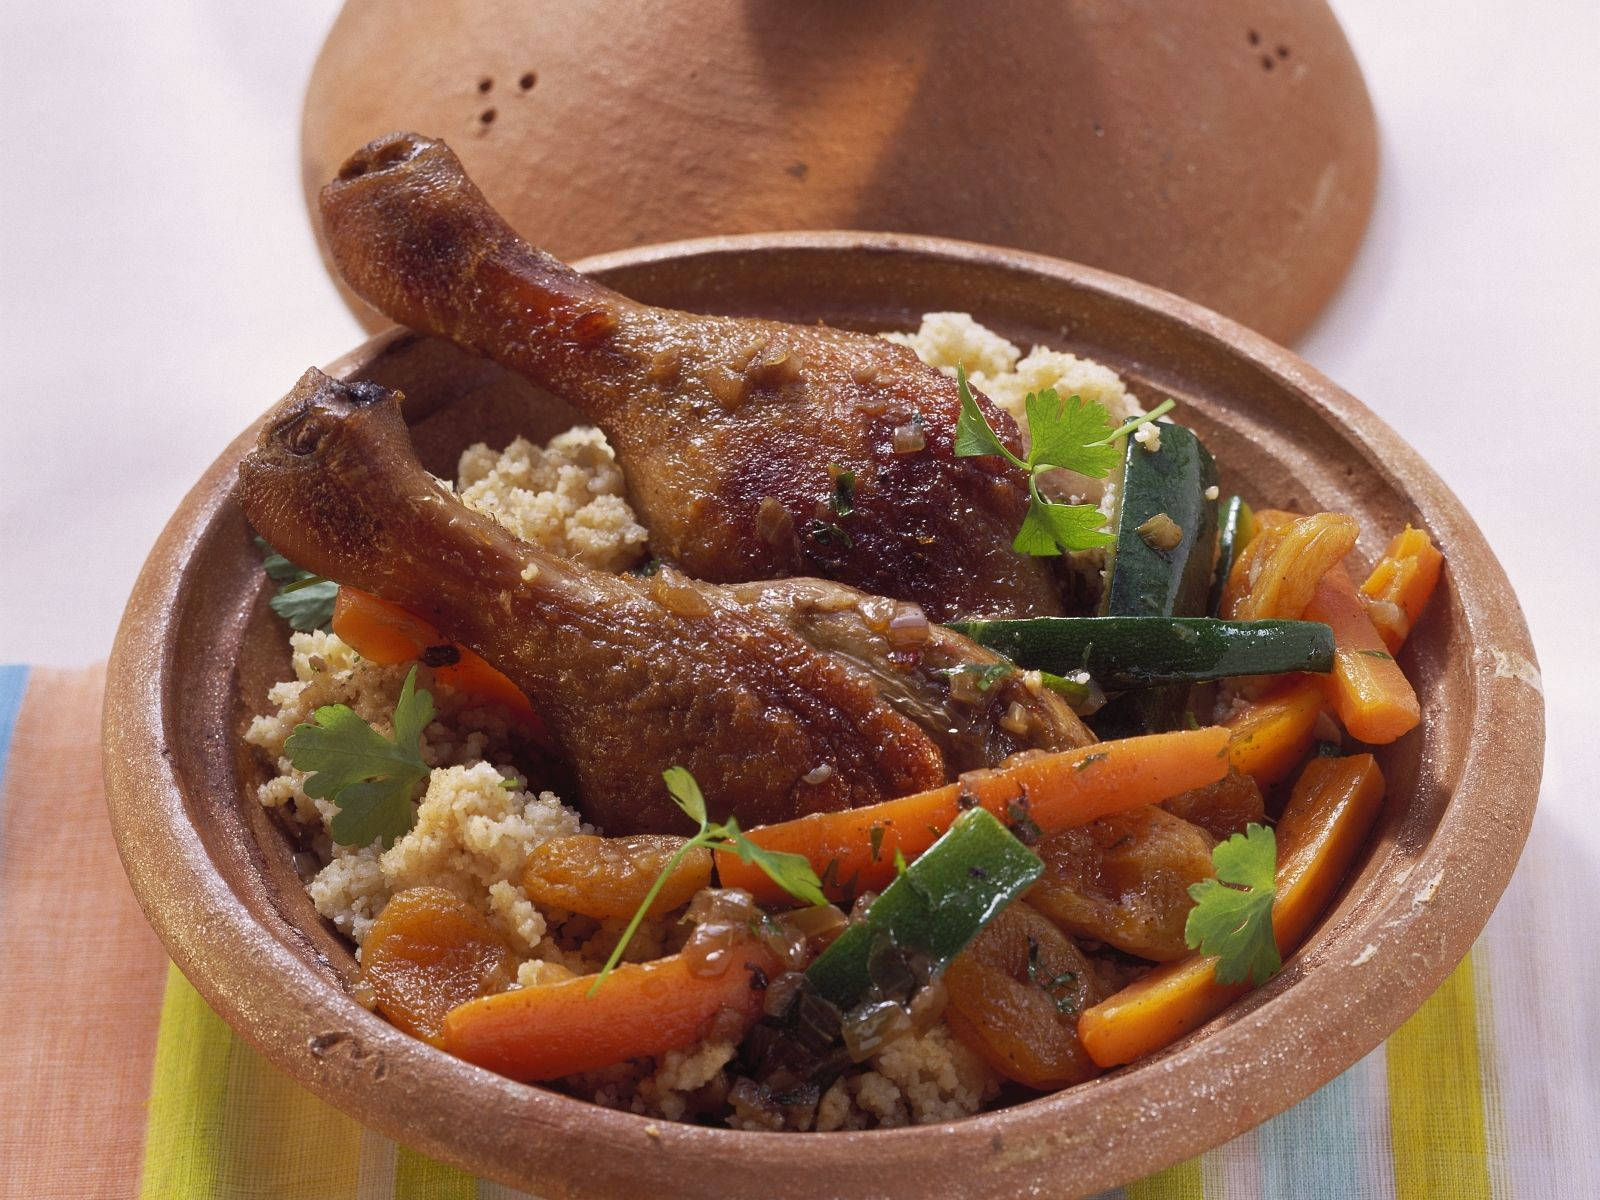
{"x": 1225, "y": 151}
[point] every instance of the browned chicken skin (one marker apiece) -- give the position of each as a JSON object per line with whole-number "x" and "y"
{"x": 782, "y": 697}
{"x": 731, "y": 430}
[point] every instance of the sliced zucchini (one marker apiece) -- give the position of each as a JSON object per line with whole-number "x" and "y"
{"x": 1121, "y": 653}
{"x": 941, "y": 902}
{"x": 1235, "y": 527}
{"x": 1142, "y": 578}
{"x": 1148, "y": 576}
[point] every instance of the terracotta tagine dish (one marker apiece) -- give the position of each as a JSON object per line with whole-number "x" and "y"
{"x": 217, "y": 876}
{"x": 1225, "y": 152}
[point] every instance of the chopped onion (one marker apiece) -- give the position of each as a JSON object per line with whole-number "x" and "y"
{"x": 908, "y": 627}
{"x": 774, "y": 525}
{"x": 964, "y": 687}
{"x": 820, "y": 923}
{"x": 781, "y": 993}
{"x": 909, "y": 438}
{"x": 927, "y": 1006}
{"x": 787, "y": 942}
{"x": 709, "y": 951}
{"x": 725, "y": 906}
{"x": 753, "y": 1106}
{"x": 1015, "y": 719}
{"x": 858, "y": 910}
{"x": 877, "y": 612}
{"x": 871, "y": 1027}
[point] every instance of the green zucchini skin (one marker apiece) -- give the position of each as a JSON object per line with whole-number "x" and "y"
{"x": 944, "y": 899}
{"x": 1236, "y": 525}
{"x": 1123, "y": 653}
{"x": 1142, "y": 581}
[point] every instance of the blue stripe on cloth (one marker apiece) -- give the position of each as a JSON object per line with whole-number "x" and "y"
{"x": 13, "y": 682}
{"x": 1310, "y": 1150}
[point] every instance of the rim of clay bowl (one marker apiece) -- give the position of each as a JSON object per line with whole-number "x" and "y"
{"x": 1382, "y": 951}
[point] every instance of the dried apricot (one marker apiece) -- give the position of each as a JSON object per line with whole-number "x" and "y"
{"x": 1124, "y": 880}
{"x": 427, "y": 952}
{"x": 1223, "y": 808}
{"x": 1014, "y": 996}
{"x": 609, "y": 877}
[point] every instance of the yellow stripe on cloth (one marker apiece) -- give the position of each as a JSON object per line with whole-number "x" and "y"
{"x": 281, "y": 1141}
{"x": 1185, "y": 1181}
{"x": 184, "y": 1128}
{"x": 1436, "y": 1120}
{"x": 183, "y": 1134}
{"x": 224, "y": 1124}
{"x": 417, "y": 1177}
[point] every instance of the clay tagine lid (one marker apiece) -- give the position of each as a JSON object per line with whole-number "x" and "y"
{"x": 1224, "y": 151}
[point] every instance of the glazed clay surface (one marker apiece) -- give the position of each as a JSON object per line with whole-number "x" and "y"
{"x": 1224, "y": 151}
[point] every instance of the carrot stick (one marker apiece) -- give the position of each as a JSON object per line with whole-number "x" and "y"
{"x": 853, "y": 851}
{"x": 1397, "y": 591}
{"x": 1269, "y": 738}
{"x": 386, "y": 634}
{"x": 379, "y": 631}
{"x": 1333, "y": 808}
{"x": 555, "y": 1029}
{"x": 1368, "y": 691}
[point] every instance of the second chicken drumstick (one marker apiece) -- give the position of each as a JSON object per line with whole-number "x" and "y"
{"x": 782, "y": 698}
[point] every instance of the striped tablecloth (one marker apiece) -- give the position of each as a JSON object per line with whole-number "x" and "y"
{"x": 119, "y": 1081}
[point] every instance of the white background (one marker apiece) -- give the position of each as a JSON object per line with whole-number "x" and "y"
{"x": 159, "y": 285}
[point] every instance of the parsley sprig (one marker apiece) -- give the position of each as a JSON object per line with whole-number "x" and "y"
{"x": 1067, "y": 434}
{"x": 1234, "y": 923}
{"x": 302, "y": 599}
{"x": 370, "y": 778}
{"x": 791, "y": 872}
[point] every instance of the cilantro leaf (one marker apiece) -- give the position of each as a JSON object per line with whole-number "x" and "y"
{"x": 843, "y": 500}
{"x": 686, "y": 794}
{"x": 975, "y": 437}
{"x": 413, "y": 712}
{"x": 308, "y": 608}
{"x": 1071, "y": 435}
{"x": 1133, "y": 423}
{"x": 1049, "y": 528}
{"x": 1234, "y": 923}
{"x": 304, "y": 600}
{"x": 791, "y": 872}
{"x": 1067, "y": 434}
{"x": 370, "y": 778}
{"x": 278, "y": 568}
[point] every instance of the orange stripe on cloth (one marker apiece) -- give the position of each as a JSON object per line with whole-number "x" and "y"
{"x": 82, "y": 975}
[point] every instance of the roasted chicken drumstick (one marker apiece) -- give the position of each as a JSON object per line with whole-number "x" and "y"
{"x": 734, "y": 432}
{"x": 781, "y": 697}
